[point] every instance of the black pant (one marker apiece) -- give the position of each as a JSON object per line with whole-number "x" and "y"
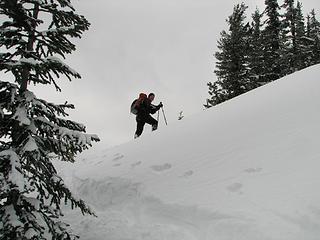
{"x": 142, "y": 121}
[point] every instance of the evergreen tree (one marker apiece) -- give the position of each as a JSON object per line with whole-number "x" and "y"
{"x": 308, "y": 28}
{"x": 314, "y": 33}
{"x": 232, "y": 64}
{"x": 314, "y": 24}
{"x": 301, "y": 39}
{"x": 255, "y": 52}
{"x": 251, "y": 56}
{"x": 309, "y": 42}
{"x": 33, "y": 130}
{"x": 288, "y": 36}
{"x": 271, "y": 41}
{"x": 300, "y": 23}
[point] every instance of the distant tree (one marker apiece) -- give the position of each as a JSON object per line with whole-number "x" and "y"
{"x": 32, "y": 130}
{"x": 252, "y": 55}
{"x": 288, "y": 38}
{"x": 308, "y": 28}
{"x": 232, "y": 62}
{"x": 255, "y": 51}
{"x": 314, "y": 24}
{"x": 302, "y": 41}
{"x": 314, "y": 34}
{"x": 309, "y": 42}
{"x": 300, "y": 22}
{"x": 272, "y": 41}
{"x": 217, "y": 94}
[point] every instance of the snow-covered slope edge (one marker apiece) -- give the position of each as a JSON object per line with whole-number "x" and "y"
{"x": 246, "y": 169}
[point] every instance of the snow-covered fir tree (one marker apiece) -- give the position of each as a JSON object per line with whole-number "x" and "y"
{"x": 295, "y": 44}
{"x": 310, "y": 42}
{"x": 289, "y": 38}
{"x": 232, "y": 63}
{"x": 280, "y": 45}
{"x": 314, "y": 34}
{"x": 301, "y": 39}
{"x": 255, "y": 52}
{"x": 271, "y": 41}
{"x": 34, "y": 38}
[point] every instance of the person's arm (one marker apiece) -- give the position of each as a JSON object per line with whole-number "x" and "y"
{"x": 154, "y": 109}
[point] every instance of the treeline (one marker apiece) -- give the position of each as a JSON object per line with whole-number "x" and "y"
{"x": 275, "y": 43}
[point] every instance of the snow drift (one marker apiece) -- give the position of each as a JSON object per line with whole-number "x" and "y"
{"x": 245, "y": 169}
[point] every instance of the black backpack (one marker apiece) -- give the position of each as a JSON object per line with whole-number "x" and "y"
{"x": 133, "y": 108}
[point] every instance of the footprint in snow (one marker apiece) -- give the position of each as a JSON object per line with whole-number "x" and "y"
{"x": 117, "y": 165}
{"x": 187, "y": 174}
{"x": 253, "y": 170}
{"x": 136, "y": 164}
{"x": 235, "y": 188}
{"x": 161, "y": 168}
{"x": 117, "y": 157}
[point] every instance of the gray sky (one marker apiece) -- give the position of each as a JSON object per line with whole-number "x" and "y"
{"x": 160, "y": 46}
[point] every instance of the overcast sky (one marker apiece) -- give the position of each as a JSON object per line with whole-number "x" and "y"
{"x": 160, "y": 46}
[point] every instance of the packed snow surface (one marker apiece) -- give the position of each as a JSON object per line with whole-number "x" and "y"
{"x": 247, "y": 169}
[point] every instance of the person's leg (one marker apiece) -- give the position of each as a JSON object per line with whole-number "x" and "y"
{"x": 154, "y": 123}
{"x": 140, "y": 125}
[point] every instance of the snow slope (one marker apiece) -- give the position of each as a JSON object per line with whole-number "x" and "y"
{"x": 247, "y": 169}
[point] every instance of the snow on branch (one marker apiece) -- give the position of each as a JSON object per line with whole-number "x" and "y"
{"x": 63, "y": 30}
{"x": 15, "y": 177}
{"x": 81, "y": 138}
{"x": 12, "y": 217}
{"x": 57, "y": 61}
{"x": 30, "y": 145}
{"x": 51, "y": 63}
{"x": 29, "y": 61}
{"x": 21, "y": 116}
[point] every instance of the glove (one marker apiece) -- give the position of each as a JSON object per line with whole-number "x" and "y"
{"x": 160, "y": 105}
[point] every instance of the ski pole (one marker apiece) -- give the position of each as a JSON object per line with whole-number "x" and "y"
{"x": 158, "y": 116}
{"x": 164, "y": 116}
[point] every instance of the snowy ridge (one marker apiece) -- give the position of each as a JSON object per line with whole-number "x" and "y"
{"x": 245, "y": 169}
